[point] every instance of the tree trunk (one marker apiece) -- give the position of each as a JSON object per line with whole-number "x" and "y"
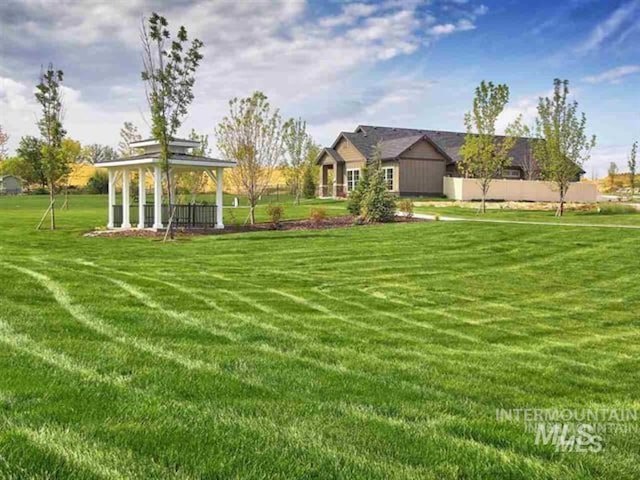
{"x": 560, "y": 211}
{"x": 252, "y": 214}
{"x": 53, "y": 208}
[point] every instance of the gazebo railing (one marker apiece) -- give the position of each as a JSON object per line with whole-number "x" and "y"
{"x": 185, "y": 216}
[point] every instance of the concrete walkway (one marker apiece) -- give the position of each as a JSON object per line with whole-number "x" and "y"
{"x": 426, "y": 216}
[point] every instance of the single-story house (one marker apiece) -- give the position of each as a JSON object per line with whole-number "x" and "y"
{"x": 10, "y": 185}
{"x": 415, "y": 162}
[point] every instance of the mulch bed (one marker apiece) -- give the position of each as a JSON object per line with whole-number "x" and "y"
{"x": 342, "y": 221}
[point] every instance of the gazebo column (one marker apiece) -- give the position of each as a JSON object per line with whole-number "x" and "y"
{"x": 142, "y": 196}
{"x": 157, "y": 197}
{"x": 219, "y": 197}
{"x": 111, "y": 197}
{"x": 126, "y": 198}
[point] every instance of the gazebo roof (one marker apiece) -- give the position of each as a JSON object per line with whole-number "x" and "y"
{"x": 176, "y": 159}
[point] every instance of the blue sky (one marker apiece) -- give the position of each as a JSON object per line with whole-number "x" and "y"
{"x": 337, "y": 64}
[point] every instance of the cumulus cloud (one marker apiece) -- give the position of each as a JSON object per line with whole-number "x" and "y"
{"x": 277, "y": 47}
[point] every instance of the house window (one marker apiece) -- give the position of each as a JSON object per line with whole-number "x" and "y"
{"x": 388, "y": 177}
{"x": 511, "y": 173}
{"x": 353, "y": 176}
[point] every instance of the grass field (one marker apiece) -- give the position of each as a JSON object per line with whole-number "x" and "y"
{"x": 610, "y": 214}
{"x": 368, "y": 352}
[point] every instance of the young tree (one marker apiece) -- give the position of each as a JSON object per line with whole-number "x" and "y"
{"x": 4, "y": 139}
{"x": 310, "y": 176}
{"x": 30, "y": 153}
{"x": 484, "y": 155}
{"x": 356, "y": 196}
{"x": 562, "y": 145}
{"x": 96, "y": 153}
{"x": 632, "y": 167}
{"x": 71, "y": 152}
{"x": 128, "y": 134}
{"x": 298, "y": 144}
{"x": 55, "y": 165}
{"x": 377, "y": 204}
{"x": 195, "y": 181}
{"x": 169, "y": 76}
{"x": 252, "y": 135}
{"x": 612, "y": 172}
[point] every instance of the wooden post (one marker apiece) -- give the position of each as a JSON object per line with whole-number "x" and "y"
{"x": 45, "y": 214}
{"x": 126, "y": 198}
{"x": 111, "y": 196}
{"x": 157, "y": 197}
{"x": 219, "y": 197}
{"x": 142, "y": 196}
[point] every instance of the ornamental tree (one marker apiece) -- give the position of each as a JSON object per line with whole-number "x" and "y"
{"x": 562, "y": 145}
{"x": 485, "y": 155}
{"x": 54, "y": 163}
{"x": 169, "y": 68}
{"x": 252, "y": 134}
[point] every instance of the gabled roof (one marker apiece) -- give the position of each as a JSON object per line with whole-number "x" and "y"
{"x": 331, "y": 152}
{"x": 394, "y": 141}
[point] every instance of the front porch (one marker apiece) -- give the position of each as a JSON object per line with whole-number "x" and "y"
{"x": 332, "y": 180}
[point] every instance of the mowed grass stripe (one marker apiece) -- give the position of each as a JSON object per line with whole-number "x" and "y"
{"x": 406, "y": 401}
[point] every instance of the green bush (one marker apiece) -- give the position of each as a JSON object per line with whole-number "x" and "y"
{"x": 406, "y": 205}
{"x": 354, "y": 205}
{"x": 98, "y": 182}
{"x": 275, "y": 213}
{"x": 317, "y": 215}
{"x": 309, "y": 183}
{"x": 378, "y": 204}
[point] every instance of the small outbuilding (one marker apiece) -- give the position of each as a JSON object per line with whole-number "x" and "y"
{"x": 155, "y": 214}
{"x": 10, "y": 185}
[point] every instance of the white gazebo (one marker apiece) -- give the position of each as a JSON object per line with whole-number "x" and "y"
{"x": 156, "y": 215}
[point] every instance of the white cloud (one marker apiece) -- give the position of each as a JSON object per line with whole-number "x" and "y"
{"x": 270, "y": 46}
{"x": 609, "y": 26}
{"x": 614, "y": 75}
{"x": 351, "y": 13}
{"x": 462, "y": 25}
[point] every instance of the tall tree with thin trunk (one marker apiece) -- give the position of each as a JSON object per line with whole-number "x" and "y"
{"x": 128, "y": 134}
{"x": 169, "y": 76}
{"x": 562, "y": 145}
{"x": 252, "y": 135}
{"x": 297, "y": 144}
{"x": 96, "y": 153}
{"x": 484, "y": 155}
{"x": 632, "y": 167}
{"x": 55, "y": 163}
{"x": 4, "y": 139}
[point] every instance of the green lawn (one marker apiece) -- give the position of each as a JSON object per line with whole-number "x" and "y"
{"x": 570, "y": 216}
{"x": 366, "y": 352}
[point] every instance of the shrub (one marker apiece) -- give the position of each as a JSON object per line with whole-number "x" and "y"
{"x": 309, "y": 183}
{"x": 406, "y": 206}
{"x": 98, "y": 182}
{"x": 354, "y": 205}
{"x": 318, "y": 215}
{"x": 378, "y": 204}
{"x": 275, "y": 213}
